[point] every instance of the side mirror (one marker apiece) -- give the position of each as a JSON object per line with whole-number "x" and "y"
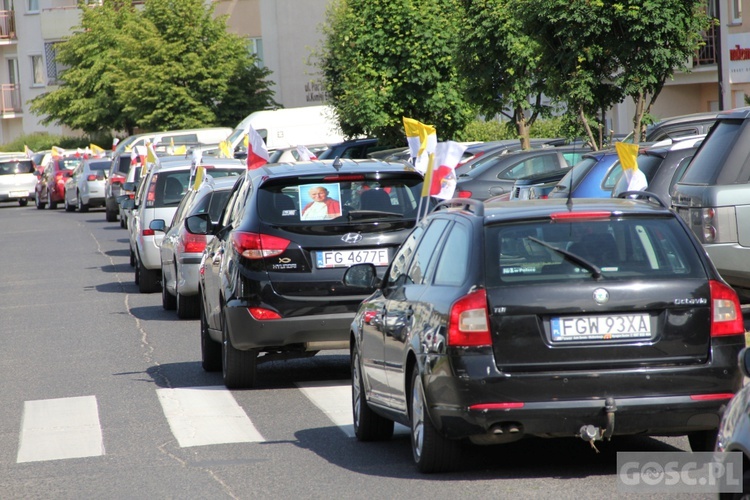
{"x": 362, "y": 276}
{"x": 199, "y": 224}
{"x": 129, "y": 186}
{"x": 121, "y": 198}
{"x": 128, "y": 203}
{"x": 158, "y": 225}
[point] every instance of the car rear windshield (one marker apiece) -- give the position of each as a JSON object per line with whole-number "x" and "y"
{"x": 123, "y": 164}
{"x": 68, "y": 163}
{"x": 16, "y": 167}
{"x": 705, "y": 167}
{"x": 99, "y": 165}
{"x": 622, "y": 248}
{"x": 168, "y": 188}
{"x": 346, "y": 198}
{"x": 212, "y": 204}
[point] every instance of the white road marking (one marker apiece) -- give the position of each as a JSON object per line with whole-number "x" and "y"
{"x": 335, "y": 400}
{"x": 55, "y": 429}
{"x": 200, "y": 416}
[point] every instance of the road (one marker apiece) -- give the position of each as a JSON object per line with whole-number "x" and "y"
{"x": 102, "y": 396}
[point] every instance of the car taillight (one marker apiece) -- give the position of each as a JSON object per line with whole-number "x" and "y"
{"x": 469, "y": 323}
{"x": 464, "y": 194}
{"x": 726, "y": 315}
{"x": 260, "y": 313}
{"x": 147, "y": 232}
{"x": 258, "y": 246}
{"x": 117, "y": 179}
{"x": 191, "y": 243}
{"x": 515, "y": 405}
{"x": 91, "y": 177}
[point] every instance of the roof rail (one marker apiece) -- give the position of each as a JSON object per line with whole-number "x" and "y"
{"x": 475, "y": 206}
{"x": 647, "y": 195}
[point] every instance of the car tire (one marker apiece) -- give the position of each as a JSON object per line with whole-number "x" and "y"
{"x": 23, "y": 202}
{"x": 132, "y": 258}
{"x": 432, "y": 452}
{"x": 110, "y": 215}
{"x": 238, "y": 368}
{"x": 123, "y": 223}
{"x": 82, "y": 207}
{"x": 368, "y": 425}
{"x": 39, "y": 203}
{"x": 168, "y": 301}
{"x": 703, "y": 440}
{"x": 210, "y": 349}
{"x": 148, "y": 280}
{"x": 52, "y": 205}
{"x": 187, "y": 306}
{"x": 68, "y": 206}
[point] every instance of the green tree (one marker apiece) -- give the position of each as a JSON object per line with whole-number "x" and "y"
{"x": 597, "y": 52}
{"x": 382, "y": 60}
{"x": 170, "y": 65}
{"x": 500, "y": 62}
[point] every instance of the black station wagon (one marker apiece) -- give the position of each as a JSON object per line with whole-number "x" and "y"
{"x": 545, "y": 318}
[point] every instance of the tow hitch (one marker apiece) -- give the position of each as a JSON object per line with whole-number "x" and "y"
{"x": 592, "y": 433}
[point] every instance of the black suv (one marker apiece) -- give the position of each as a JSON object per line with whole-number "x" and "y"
{"x": 270, "y": 279}
{"x": 548, "y": 318}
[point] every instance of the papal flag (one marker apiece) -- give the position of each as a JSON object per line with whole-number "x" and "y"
{"x": 97, "y": 151}
{"x": 151, "y": 158}
{"x": 627, "y": 153}
{"x": 57, "y": 151}
{"x": 28, "y": 151}
{"x": 422, "y": 140}
{"x": 224, "y": 151}
{"x": 200, "y": 173}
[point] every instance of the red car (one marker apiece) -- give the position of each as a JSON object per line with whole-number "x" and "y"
{"x": 50, "y": 189}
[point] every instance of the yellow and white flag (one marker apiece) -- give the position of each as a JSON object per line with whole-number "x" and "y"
{"x": 628, "y": 156}
{"x": 58, "y": 151}
{"x": 224, "y": 151}
{"x": 422, "y": 141}
{"x": 28, "y": 151}
{"x": 200, "y": 173}
{"x": 151, "y": 158}
{"x": 97, "y": 151}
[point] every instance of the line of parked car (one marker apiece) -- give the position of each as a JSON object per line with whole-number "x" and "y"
{"x": 485, "y": 321}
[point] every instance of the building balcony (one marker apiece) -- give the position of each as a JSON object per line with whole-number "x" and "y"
{"x": 10, "y": 105}
{"x": 7, "y": 27}
{"x": 706, "y": 54}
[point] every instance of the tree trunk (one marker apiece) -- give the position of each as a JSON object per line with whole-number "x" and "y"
{"x": 522, "y": 129}
{"x": 589, "y": 132}
{"x": 640, "y": 102}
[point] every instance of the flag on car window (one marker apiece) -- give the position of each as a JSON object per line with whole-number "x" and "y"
{"x": 57, "y": 151}
{"x": 627, "y": 153}
{"x": 151, "y": 157}
{"x": 29, "y": 152}
{"x": 422, "y": 140}
{"x": 97, "y": 151}
{"x": 305, "y": 154}
{"x": 199, "y": 175}
{"x": 224, "y": 151}
{"x": 447, "y": 156}
{"x": 257, "y": 154}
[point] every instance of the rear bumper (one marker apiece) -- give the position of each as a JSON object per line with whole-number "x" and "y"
{"x": 670, "y": 400}
{"x": 188, "y": 269}
{"x": 246, "y": 332}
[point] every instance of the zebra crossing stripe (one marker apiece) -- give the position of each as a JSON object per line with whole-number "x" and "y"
{"x": 334, "y": 399}
{"x": 56, "y": 429}
{"x": 200, "y": 416}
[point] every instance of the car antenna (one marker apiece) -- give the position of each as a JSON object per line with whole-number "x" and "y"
{"x": 337, "y": 164}
{"x": 569, "y": 202}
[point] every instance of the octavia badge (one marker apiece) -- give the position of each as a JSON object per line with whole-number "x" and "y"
{"x": 601, "y": 296}
{"x": 351, "y": 238}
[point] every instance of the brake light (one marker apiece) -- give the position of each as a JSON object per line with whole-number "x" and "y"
{"x": 258, "y": 246}
{"x": 464, "y": 194}
{"x": 263, "y": 314}
{"x": 469, "y": 323}
{"x": 147, "y": 232}
{"x": 600, "y": 214}
{"x": 726, "y": 315}
{"x": 117, "y": 179}
{"x": 497, "y": 406}
{"x": 91, "y": 177}
{"x": 711, "y": 397}
{"x": 334, "y": 178}
{"x": 191, "y": 243}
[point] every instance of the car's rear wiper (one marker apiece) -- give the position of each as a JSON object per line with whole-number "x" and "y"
{"x": 595, "y": 270}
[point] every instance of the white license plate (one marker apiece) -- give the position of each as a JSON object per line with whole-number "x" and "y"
{"x": 346, "y": 258}
{"x": 19, "y": 194}
{"x": 609, "y": 327}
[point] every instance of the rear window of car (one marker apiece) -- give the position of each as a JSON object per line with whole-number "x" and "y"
{"x": 16, "y": 167}
{"x": 623, "y": 248}
{"x": 212, "y": 204}
{"x": 347, "y": 198}
{"x": 99, "y": 165}
{"x": 68, "y": 163}
{"x": 704, "y": 169}
{"x": 123, "y": 164}
{"x": 166, "y": 189}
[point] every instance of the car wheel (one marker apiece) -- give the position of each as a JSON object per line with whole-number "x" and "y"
{"x": 132, "y": 258}
{"x": 148, "y": 280}
{"x": 168, "y": 301}
{"x": 68, "y": 206}
{"x": 210, "y": 350}
{"x": 237, "y": 367}
{"x": 82, "y": 207}
{"x": 703, "y": 440}
{"x": 52, "y": 205}
{"x": 39, "y": 203}
{"x": 432, "y": 452}
{"x": 110, "y": 215}
{"x": 187, "y": 307}
{"x": 123, "y": 223}
{"x": 23, "y": 202}
{"x": 368, "y": 425}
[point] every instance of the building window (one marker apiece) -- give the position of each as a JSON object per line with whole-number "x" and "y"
{"x": 53, "y": 67}
{"x": 736, "y": 11}
{"x": 37, "y": 70}
{"x": 33, "y": 6}
{"x": 256, "y": 48}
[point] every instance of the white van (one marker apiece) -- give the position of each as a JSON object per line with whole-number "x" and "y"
{"x": 289, "y": 127}
{"x": 186, "y": 137}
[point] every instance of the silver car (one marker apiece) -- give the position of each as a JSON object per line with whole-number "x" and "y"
{"x": 181, "y": 251}
{"x": 17, "y": 180}
{"x": 85, "y": 187}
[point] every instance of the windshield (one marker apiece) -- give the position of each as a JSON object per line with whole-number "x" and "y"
{"x": 704, "y": 169}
